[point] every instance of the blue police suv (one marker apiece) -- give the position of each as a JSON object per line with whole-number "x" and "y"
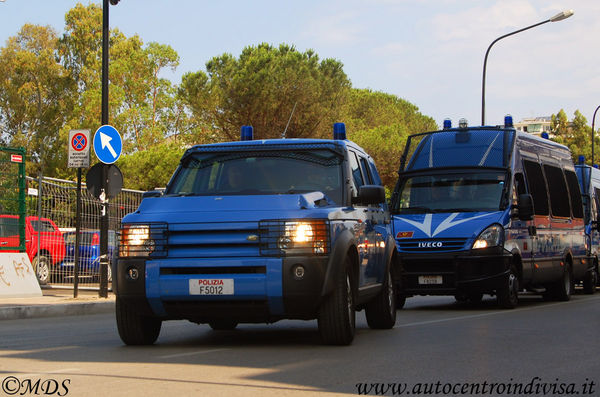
{"x": 256, "y": 231}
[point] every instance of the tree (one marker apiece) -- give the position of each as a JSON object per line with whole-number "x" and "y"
{"x": 142, "y": 105}
{"x": 35, "y": 95}
{"x": 262, "y": 87}
{"x": 380, "y": 123}
{"x": 150, "y": 168}
{"x": 575, "y": 134}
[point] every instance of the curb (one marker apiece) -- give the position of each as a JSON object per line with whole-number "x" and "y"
{"x": 56, "y": 310}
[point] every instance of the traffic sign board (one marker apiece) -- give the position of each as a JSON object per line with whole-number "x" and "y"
{"x": 108, "y": 144}
{"x": 79, "y": 149}
{"x": 114, "y": 181}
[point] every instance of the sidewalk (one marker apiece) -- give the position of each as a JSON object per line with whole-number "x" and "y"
{"x": 55, "y": 303}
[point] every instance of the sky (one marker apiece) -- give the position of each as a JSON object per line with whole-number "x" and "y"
{"x": 428, "y": 52}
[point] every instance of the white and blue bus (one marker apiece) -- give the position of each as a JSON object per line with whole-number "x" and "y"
{"x": 488, "y": 210}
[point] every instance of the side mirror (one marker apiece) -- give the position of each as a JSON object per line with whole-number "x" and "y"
{"x": 370, "y": 194}
{"x": 525, "y": 207}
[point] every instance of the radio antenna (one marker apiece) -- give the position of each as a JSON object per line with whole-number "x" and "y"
{"x": 290, "y": 119}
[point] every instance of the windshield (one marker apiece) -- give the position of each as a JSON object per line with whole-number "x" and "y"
{"x": 255, "y": 173}
{"x": 455, "y": 192}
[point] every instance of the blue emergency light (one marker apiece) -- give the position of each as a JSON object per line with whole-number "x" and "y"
{"x": 447, "y": 124}
{"x": 247, "y": 133}
{"x": 545, "y": 135}
{"x": 508, "y": 121}
{"x": 582, "y": 159}
{"x": 339, "y": 131}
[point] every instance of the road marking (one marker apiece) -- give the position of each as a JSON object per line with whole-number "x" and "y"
{"x": 192, "y": 353}
{"x": 443, "y": 320}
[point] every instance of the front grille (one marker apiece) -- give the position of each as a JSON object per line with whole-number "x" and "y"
{"x": 432, "y": 244}
{"x": 213, "y": 240}
{"x": 429, "y": 266}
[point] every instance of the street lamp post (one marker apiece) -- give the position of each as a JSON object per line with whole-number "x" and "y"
{"x": 558, "y": 17}
{"x": 593, "y": 119}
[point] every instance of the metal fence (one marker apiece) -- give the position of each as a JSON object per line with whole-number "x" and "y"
{"x": 56, "y": 204}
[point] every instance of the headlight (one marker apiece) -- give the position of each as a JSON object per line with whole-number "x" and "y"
{"x": 141, "y": 240}
{"x": 301, "y": 237}
{"x": 493, "y": 236}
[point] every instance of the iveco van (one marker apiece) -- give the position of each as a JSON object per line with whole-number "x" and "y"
{"x": 488, "y": 210}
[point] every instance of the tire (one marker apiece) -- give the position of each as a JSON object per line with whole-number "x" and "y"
{"x": 381, "y": 310}
{"x": 400, "y": 301}
{"x": 41, "y": 266}
{"x": 508, "y": 294}
{"x": 223, "y": 325}
{"x": 337, "y": 315}
{"x": 590, "y": 281}
{"x": 564, "y": 287}
{"x": 135, "y": 329}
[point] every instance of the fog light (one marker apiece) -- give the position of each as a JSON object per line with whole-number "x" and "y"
{"x": 298, "y": 272}
{"x": 133, "y": 273}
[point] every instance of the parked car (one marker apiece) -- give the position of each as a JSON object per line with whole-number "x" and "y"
{"x": 89, "y": 253}
{"x": 51, "y": 244}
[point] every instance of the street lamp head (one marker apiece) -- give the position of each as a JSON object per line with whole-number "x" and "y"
{"x": 562, "y": 15}
{"x": 114, "y": 2}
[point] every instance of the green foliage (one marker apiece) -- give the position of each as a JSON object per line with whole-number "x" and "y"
{"x": 380, "y": 123}
{"x": 150, "y": 168}
{"x": 262, "y": 87}
{"x": 575, "y": 134}
{"x": 35, "y": 94}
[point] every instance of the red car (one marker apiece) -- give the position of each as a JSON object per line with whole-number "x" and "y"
{"x": 51, "y": 243}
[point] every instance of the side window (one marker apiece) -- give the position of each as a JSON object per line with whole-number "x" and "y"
{"x": 364, "y": 167}
{"x": 520, "y": 184}
{"x": 519, "y": 187}
{"x": 596, "y": 205}
{"x": 42, "y": 226}
{"x": 375, "y": 174}
{"x": 574, "y": 194}
{"x": 559, "y": 195}
{"x": 355, "y": 168}
{"x": 537, "y": 187}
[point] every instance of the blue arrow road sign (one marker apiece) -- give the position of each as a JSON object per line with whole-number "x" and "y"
{"x": 108, "y": 144}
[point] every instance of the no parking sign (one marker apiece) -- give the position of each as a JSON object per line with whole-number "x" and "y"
{"x": 79, "y": 149}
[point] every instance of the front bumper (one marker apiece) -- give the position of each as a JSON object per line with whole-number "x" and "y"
{"x": 462, "y": 271}
{"x": 265, "y": 288}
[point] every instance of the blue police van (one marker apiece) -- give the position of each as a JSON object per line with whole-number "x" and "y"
{"x": 488, "y": 210}
{"x": 256, "y": 231}
{"x": 589, "y": 182}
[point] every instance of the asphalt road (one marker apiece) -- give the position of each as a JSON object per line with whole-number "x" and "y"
{"x": 437, "y": 346}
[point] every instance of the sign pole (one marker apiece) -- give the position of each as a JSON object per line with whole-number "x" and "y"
{"x": 77, "y": 236}
{"x": 103, "y": 293}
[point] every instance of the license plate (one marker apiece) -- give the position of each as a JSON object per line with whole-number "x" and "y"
{"x": 211, "y": 286}
{"x": 430, "y": 280}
